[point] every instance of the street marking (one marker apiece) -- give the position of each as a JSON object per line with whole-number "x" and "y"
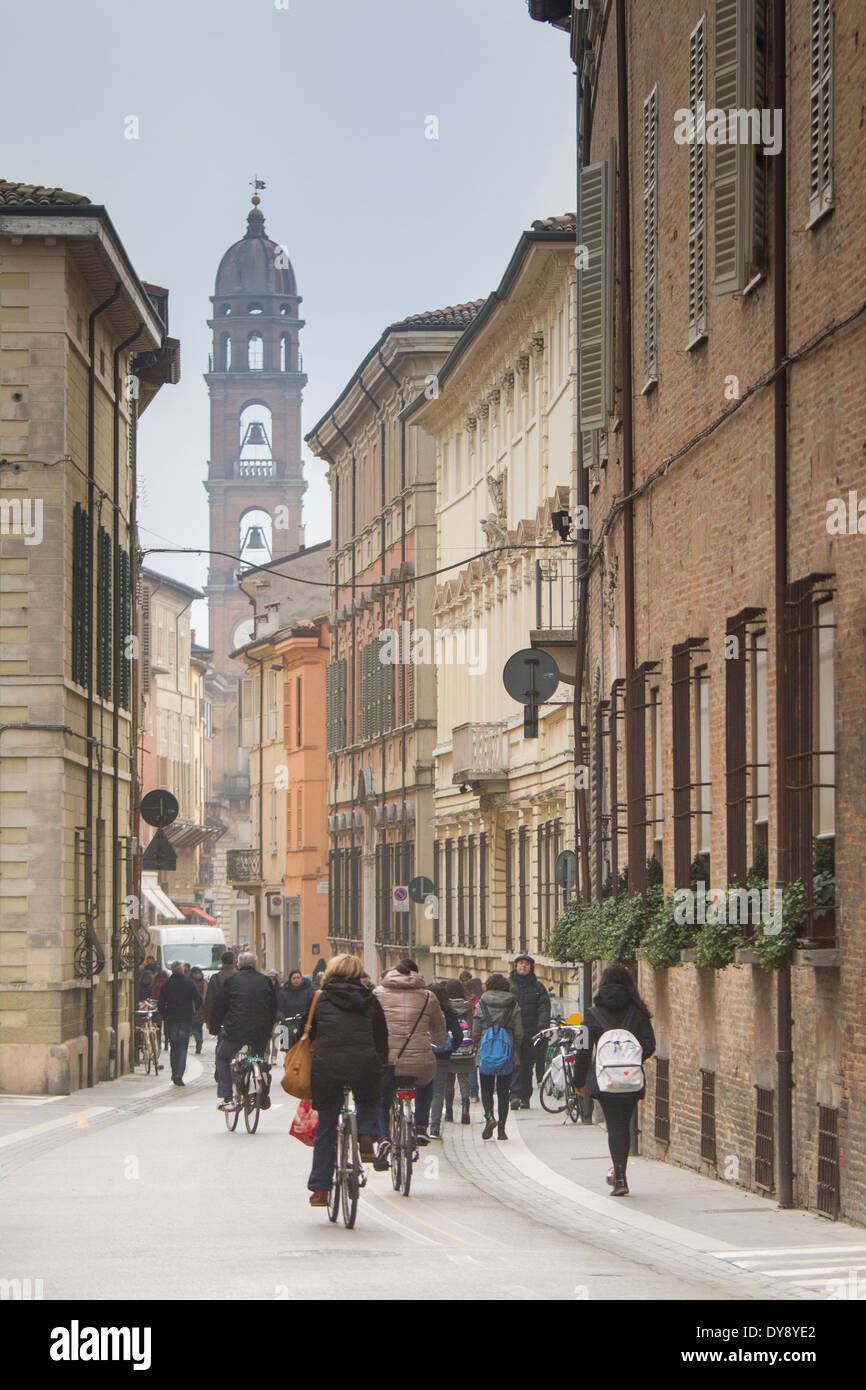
{"x": 431, "y": 1224}
{"x": 838, "y": 1249}
{"x": 172, "y": 1109}
{"x": 64, "y": 1122}
{"x": 13, "y": 1102}
{"x": 417, "y": 1236}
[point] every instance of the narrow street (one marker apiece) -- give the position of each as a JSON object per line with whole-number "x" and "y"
{"x": 167, "y": 1204}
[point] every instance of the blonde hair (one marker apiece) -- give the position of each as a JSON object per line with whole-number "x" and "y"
{"x": 343, "y": 967}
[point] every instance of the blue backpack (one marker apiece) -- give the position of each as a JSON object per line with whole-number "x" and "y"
{"x": 496, "y": 1053}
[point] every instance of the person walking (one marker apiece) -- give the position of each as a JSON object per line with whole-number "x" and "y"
{"x": 218, "y": 984}
{"x": 198, "y": 979}
{"x": 351, "y": 1038}
{"x": 245, "y": 1012}
{"x": 534, "y": 1002}
{"x": 159, "y": 980}
{"x": 474, "y": 991}
{"x": 415, "y": 1023}
{"x": 296, "y": 995}
{"x": 443, "y": 1053}
{"x": 616, "y": 1005}
{"x": 178, "y": 1001}
{"x": 461, "y": 1063}
{"x": 497, "y": 1028}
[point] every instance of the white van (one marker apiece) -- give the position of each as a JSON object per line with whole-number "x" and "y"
{"x": 188, "y": 941}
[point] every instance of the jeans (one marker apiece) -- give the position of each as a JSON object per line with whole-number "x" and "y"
{"x": 225, "y": 1051}
{"x": 443, "y": 1090}
{"x": 473, "y": 1084}
{"x": 423, "y": 1100}
{"x": 325, "y": 1148}
{"x": 521, "y": 1077}
{"x": 503, "y": 1087}
{"x": 618, "y": 1111}
{"x": 178, "y": 1043}
{"x": 196, "y": 1030}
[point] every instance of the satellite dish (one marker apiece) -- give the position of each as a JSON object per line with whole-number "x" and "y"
{"x": 530, "y": 676}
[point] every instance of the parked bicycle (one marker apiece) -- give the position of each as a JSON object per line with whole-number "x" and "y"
{"x": 557, "y": 1090}
{"x": 404, "y": 1149}
{"x": 249, "y": 1088}
{"x": 349, "y": 1175}
{"x": 147, "y": 1037}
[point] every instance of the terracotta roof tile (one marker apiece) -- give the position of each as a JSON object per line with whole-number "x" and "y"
{"x": 454, "y": 316}
{"x": 566, "y": 223}
{"x": 34, "y": 194}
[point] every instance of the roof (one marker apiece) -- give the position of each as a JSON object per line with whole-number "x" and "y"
{"x": 14, "y": 194}
{"x": 566, "y": 223}
{"x": 255, "y": 264}
{"x": 165, "y": 581}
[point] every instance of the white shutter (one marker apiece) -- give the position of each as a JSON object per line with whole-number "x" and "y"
{"x": 272, "y": 704}
{"x": 596, "y": 296}
{"x": 697, "y": 187}
{"x": 821, "y": 109}
{"x": 650, "y": 236}
{"x": 739, "y": 175}
{"x": 245, "y": 712}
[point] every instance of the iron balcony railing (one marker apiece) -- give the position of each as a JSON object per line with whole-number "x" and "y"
{"x": 243, "y": 866}
{"x": 556, "y": 595}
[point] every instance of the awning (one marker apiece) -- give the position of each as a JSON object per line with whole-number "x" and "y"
{"x": 185, "y": 836}
{"x": 199, "y": 913}
{"x": 155, "y": 896}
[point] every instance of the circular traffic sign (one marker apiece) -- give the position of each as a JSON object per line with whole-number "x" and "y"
{"x": 530, "y": 676}
{"x": 401, "y": 894}
{"x": 420, "y": 889}
{"x": 159, "y": 808}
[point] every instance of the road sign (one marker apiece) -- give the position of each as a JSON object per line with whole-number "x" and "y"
{"x": 420, "y": 889}
{"x": 400, "y": 897}
{"x": 564, "y": 869}
{"x": 160, "y": 853}
{"x": 530, "y": 676}
{"x": 159, "y": 808}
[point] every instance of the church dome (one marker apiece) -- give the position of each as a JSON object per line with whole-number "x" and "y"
{"x": 255, "y": 265}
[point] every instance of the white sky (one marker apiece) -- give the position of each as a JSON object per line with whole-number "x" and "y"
{"x": 326, "y": 101}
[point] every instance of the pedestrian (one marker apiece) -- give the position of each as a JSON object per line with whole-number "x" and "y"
{"x": 497, "y": 1028}
{"x": 245, "y": 1012}
{"x": 415, "y": 1023}
{"x": 534, "y": 1002}
{"x": 351, "y": 1039}
{"x": 150, "y": 966}
{"x": 186, "y": 967}
{"x": 461, "y": 1063}
{"x": 443, "y": 1052}
{"x": 616, "y": 1005}
{"x": 178, "y": 1001}
{"x": 464, "y": 977}
{"x": 318, "y": 972}
{"x": 218, "y": 983}
{"x": 474, "y": 991}
{"x": 296, "y": 995}
{"x": 159, "y": 980}
{"x": 145, "y": 985}
{"x": 198, "y": 979}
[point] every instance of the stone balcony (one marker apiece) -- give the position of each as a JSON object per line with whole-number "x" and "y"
{"x": 480, "y": 754}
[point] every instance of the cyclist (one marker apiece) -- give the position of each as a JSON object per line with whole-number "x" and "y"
{"x": 351, "y": 1039}
{"x": 415, "y": 1023}
{"x": 245, "y": 1012}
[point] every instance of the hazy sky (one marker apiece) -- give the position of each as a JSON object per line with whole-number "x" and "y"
{"x": 325, "y": 100}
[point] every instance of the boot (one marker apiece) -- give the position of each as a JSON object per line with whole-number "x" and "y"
{"x": 449, "y": 1114}
{"x": 502, "y": 1134}
{"x": 620, "y": 1186}
{"x": 464, "y": 1116}
{"x": 489, "y": 1126}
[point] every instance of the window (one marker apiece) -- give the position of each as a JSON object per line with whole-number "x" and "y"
{"x": 273, "y": 821}
{"x": 657, "y": 811}
{"x": 703, "y": 769}
{"x": 271, "y": 704}
{"x": 104, "y": 617}
{"x": 255, "y": 352}
{"x": 80, "y": 595}
{"x": 650, "y": 237}
{"x": 123, "y": 630}
{"x": 226, "y": 309}
{"x": 821, "y": 109}
{"x": 697, "y": 188}
{"x": 254, "y": 308}
{"x": 445, "y": 477}
{"x": 284, "y": 353}
{"x": 509, "y": 889}
{"x": 740, "y": 165}
{"x": 335, "y": 700}
{"x": 298, "y": 713}
{"x": 226, "y": 352}
{"x": 824, "y": 810}
{"x": 299, "y": 809}
{"x": 760, "y": 748}
{"x": 596, "y": 294}
{"x": 284, "y": 309}
{"x": 458, "y": 464}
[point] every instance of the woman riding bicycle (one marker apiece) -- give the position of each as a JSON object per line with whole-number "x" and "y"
{"x": 415, "y": 1022}
{"x": 351, "y": 1050}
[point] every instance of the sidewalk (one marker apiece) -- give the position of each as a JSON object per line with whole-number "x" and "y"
{"x": 558, "y": 1170}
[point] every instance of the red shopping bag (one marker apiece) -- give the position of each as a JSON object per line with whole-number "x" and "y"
{"x": 304, "y": 1124}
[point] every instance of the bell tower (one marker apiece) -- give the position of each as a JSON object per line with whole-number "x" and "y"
{"x": 255, "y": 480}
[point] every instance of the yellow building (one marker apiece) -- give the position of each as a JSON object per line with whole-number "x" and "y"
{"x": 503, "y": 422}
{"x": 83, "y": 350}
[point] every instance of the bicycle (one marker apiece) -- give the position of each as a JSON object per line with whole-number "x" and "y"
{"x": 248, "y": 1085}
{"x": 349, "y": 1175}
{"x": 401, "y": 1128}
{"x": 557, "y": 1090}
{"x": 147, "y": 1038}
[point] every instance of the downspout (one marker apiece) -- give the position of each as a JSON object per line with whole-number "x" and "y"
{"x": 333, "y": 651}
{"x": 784, "y": 1020}
{"x": 89, "y": 892}
{"x": 353, "y": 662}
{"x": 378, "y": 410}
{"x": 115, "y": 717}
{"x": 636, "y": 850}
{"x": 581, "y": 818}
{"x": 404, "y": 675}
{"x": 260, "y": 915}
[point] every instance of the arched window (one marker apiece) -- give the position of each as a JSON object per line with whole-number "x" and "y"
{"x": 254, "y": 309}
{"x": 226, "y": 309}
{"x": 255, "y": 352}
{"x": 255, "y": 533}
{"x": 226, "y": 342}
{"x": 255, "y": 459}
{"x": 284, "y": 309}
{"x": 284, "y": 352}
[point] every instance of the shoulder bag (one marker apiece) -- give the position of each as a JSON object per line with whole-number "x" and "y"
{"x": 297, "y": 1073}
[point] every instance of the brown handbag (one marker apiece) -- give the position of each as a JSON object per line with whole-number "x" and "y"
{"x": 298, "y": 1070}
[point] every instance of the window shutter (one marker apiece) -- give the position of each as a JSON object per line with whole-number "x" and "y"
{"x": 287, "y": 709}
{"x": 145, "y": 640}
{"x": 650, "y": 235}
{"x": 740, "y": 78}
{"x": 821, "y": 109}
{"x": 104, "y": 616}
{"x": 410, "y": 681}
{"x": 245, "y": 711}
{"x": 341, "y": 703}
{"x": 596, "y": 308}
{"x": 697, "y": 187}
{"x": 123, "y": 619}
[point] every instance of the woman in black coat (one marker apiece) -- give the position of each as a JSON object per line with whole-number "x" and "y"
{"x": 617, "y": 1005}
{"x": 351, "y": 1038}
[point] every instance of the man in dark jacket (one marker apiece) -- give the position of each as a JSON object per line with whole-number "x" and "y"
{"x": 296, "y": 995}
{"x": 534, "y": 1002}
{"x": 217, "y": 986}
{"x": 178, "y": 1001}
{"x": 245, "y": 1012}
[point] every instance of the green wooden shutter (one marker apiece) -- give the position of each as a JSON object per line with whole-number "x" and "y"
{"x": 821, "y": 108}
{"x": 123, "y": 617}
{"x": 80, "y": 594}
{"x": 104, "y": 615}
{"x": 697, "y": 187}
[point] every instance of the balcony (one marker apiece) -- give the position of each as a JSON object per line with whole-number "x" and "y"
{"x": 555, "y": 628}
{"x": 254, "y": 468}
{"x": 235, "y": 786}
{"x": 480, "y": 754}
{"x": 243, "y": 867}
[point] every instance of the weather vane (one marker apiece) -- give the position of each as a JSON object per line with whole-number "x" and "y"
{"x": 257, "y": 183}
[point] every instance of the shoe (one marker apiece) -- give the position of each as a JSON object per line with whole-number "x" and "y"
{"x": 489, "y": 1126}
{"x": 433, "y": 1132}
{"x": 515, "y": 1105}
{"x": 609, "y": 1178}
{"x": 421, "y": 1137}
{"x": 449, "y": 1116}
{"x": 365, "y": 1146}
{"x": 620, "y": 1186}
{"x": 524, "y": 1105}
{"x": 197, "y": 1049}
{"x": 502, "y": 1134}
{"x": 464, "y": 1117}
{"x": 382, "y": 1161}
{"x": 265, "y": 1103}
{"x": 227, "y": 1105}
{"x": 178, "y": 1080}
{"x": 319, "y": 1198}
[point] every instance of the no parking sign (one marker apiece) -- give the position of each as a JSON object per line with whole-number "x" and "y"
{"x": 400, "y": 898}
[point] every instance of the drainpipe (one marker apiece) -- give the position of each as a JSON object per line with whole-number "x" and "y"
{"x": 333, "y": 651}
{"x": 784, "y": 1021}
{"x": 352, "y": 665}
{"x": 382, "y": 737}
{"x": 115, "y": 717}
{"x": 260, "y": 902}
{"x": 89, "y": 890}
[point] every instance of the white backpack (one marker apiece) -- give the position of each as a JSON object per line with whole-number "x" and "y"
{"x": 618, "y": 1059}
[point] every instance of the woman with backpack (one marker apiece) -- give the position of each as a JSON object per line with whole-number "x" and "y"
{"x": 462, "y": 1062}
{"x": 616, "y": 1079}
{"x": 497, "y": 1029}
{"x": 443, "y": 1053}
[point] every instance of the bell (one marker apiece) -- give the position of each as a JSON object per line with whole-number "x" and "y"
{"x": 255, "y": 435}
{"x": 255, "y": 540}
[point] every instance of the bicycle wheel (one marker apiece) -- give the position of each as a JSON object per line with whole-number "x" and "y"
{"x": 396, "y": 1151}
{"x": 336, "y": 1184}
{"x": 407, "y": 1144}
{"x": 231, "y": 1119}
{"x": 351, "y": 1165}
{"x": 551, "y": 1100}
{"x": 251, "y": 1101}
{"x": 151, "y": 1056}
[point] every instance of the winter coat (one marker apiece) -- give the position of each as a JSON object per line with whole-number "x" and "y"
{"x": 217, "y": 986}
{"x": 498, "y": 1008}
{"x": 452, "y": 1034}
{"x": 462, "y": 1009}
{"x": 351, "y": 1038}
{"x": 534, "y": 1002}
{"x": 405, "y": 998}
{"x": 296, "y": 1000}
{"x": 178, "y": 999}
{"x": 200, "y": 983}
{"x": 613, "y": 1007}
{"x": 157, "y": 985}
{"x": 246, "y": 1009}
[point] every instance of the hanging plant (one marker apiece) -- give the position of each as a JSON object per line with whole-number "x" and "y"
{"x": 665, "y": 937}
{"x": 774, "y": 949}
{"x": 718, "y": 939}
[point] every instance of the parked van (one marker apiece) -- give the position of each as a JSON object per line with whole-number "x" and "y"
{"x": 200, "y": 945}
